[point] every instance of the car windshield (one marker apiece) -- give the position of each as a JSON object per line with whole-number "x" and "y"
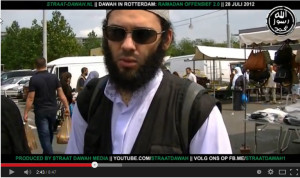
{"x": 4, "y": 76}
{"x": 13, "y": 80}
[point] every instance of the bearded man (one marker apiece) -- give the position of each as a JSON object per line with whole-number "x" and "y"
{"x": 138, "y": 106}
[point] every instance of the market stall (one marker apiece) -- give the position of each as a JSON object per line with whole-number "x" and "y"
{"x": 264, "y": 36}
{"x": 221, "y": 59}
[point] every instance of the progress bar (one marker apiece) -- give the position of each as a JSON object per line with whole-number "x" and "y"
{"x": 95, "y": 164}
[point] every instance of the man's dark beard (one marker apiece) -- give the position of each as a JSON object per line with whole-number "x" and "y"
{"x": 142, "y": 76}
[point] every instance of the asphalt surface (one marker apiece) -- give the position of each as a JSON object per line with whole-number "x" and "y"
{"x": 267, "y": 138}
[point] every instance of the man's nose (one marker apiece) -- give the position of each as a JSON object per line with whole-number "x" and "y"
{"x": 128, "y": 43}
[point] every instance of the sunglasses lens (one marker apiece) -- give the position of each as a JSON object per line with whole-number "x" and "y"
{"x": 141, "y": 36}
{"x": 144, "y": 36}
{"x": 115, "y": 33}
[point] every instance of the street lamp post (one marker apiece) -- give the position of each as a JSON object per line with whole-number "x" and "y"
{"x": 44, "y": 35}
{"x": 228, "y": 31}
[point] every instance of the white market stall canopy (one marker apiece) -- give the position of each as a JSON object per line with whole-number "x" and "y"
{"x": 264, "y": 35}
{"x": 224, "y": 54}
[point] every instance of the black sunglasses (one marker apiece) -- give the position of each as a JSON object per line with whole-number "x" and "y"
{"x": 139, "y": 35}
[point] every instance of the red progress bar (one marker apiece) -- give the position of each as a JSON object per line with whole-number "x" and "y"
{"x": 46, "y": 165}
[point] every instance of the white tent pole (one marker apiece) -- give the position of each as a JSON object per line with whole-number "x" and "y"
{"x": 214, "y": 77}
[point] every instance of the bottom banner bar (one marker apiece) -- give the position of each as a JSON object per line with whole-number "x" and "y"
{"x": 151, "y": 172}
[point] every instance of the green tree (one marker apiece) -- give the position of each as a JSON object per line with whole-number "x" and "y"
{"x": 91, "y": 42}
{"x": 173, "y": 51}
{"x": 235, "y": 42}
{"x": 21, "y": 46}
{"x": 61, "y": 38}
{"x": 183, "y": 47}
{"x": 207, "y": 42}
{"x": 8, "y": 46}
{"x": 186, "y": 46}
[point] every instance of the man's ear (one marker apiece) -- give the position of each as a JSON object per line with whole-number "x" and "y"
{"x": 168, "y": 40}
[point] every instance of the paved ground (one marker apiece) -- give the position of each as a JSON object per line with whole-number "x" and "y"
{"x": 57, "y": 148}
{"x": 266, "y": 139}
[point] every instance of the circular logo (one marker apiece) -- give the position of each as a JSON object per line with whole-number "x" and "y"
{"x": 281, "y": 20}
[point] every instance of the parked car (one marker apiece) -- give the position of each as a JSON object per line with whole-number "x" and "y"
{"x": 14, "y": 86}
{"x": 25, "y": 90}
{"x": 16, "y": 73}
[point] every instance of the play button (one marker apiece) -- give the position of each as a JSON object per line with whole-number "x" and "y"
{"x": 10, "y": 172}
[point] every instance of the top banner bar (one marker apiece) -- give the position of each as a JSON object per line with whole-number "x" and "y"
{"x": 96, "y": 5}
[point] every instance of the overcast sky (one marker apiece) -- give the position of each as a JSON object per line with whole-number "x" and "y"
{"x": 212, "y": 26}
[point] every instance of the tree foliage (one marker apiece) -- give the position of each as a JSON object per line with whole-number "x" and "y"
{"x": 91, "y": 42}
{"x": 21, "y": 46}
{"x": 61, "y": 38}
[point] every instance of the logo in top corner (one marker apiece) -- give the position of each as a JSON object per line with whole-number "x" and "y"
{"x": 281, "y": 20}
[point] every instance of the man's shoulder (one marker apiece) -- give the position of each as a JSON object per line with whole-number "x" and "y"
{"x": 194, "y": 76}
{"x": 43, "y": 76}
{"x": 41, "y": 73}
{"x": 81, "y": 77}
{"x": 170, "y": 79}
{"x": 84, "y": 98}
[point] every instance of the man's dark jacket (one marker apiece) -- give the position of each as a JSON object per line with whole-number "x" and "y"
{"x": 160, "y": 132}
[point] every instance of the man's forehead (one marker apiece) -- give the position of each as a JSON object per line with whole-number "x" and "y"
{"x": 161, "y": 13}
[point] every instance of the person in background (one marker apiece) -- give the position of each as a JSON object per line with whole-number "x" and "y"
{"x": 137, "y": 104}
{"x": 93, "y": 74}
{"x": 176, "y": 73}
{"x": 67, "y": 89}
{"x": 247, "y": 75}
{"x": 237, "y": 87}
{"x": 43, "y": 88}
{"x": 270, "y": 85}
{"x": 81, "y": 79}
{"x": 190, "y": 75}
{"x": 13, "y": 137}
{"x": 229, "y": 87}
{"x": 295, "y": 85}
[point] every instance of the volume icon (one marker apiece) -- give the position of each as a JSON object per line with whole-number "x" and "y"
{"x": 27, "y": 172}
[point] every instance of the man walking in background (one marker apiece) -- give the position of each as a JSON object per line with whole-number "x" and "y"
{"x": 189, "y": 74}
{"x": 81, "y": 79}
{"x": 42, "y": 93}
{"x": 270, "y": 86}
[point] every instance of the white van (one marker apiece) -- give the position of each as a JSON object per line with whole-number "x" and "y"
{"x": 74, "y": 65}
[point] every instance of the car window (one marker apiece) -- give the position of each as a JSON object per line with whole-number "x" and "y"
{"x": 13, "y": 80}
{"x": 11, "y": 74}
{"x": 8, "y": 81}
{"x": 4, "y": 77}
{"x": 26, "y": 84}
{"x": 23, "y": 82}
